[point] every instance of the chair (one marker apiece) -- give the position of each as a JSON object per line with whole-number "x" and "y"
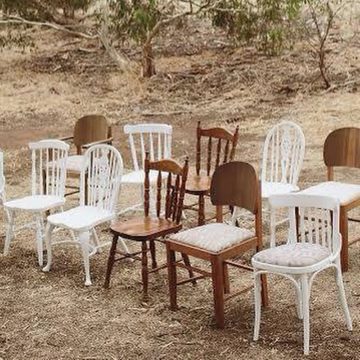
{"x": 233, "y": 184}
{"x": 198, "y": 184}
{"x": 47, "y": 191}
{"x": 2, "y": 179}
{"x": 312, "y": 248}
{"x": 89, "y": 130}
{"x": 149, "y": 229}
{"x": 155, "y": 138}
{"x": 341, "y": 149}
{"x": 99, "y": 189}
{"x": 283, "y": 156}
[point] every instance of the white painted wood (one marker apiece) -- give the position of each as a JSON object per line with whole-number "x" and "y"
{"x": 99, "y": 190}
{"x": 319, "y": 224}
{"x": 48, "y": 176}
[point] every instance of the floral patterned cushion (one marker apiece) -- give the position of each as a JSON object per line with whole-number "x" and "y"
{"x": 293, "y": 255}
{"x": 213, "y": 237}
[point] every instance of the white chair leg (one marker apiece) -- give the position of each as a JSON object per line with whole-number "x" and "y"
{"x": 96, "y": 240}
{"x": 257, "y": 293}
{"x": 39, "y": 238}
{"x": 306, "y": 311}
{"x": 84, "y": 242}
{"x": 9, "y": 231}
{"x": 272, "y": 227}
{"x": 48, "y": 231}
{"x": 299, "y": 306}
{"x": 342, "y": 296}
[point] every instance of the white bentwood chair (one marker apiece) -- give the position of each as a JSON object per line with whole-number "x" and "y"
{"x": 99, "y": 190}
{"x": 314, "y": 244}
{"x": 283, "y": 156}
{"x": 154, "y": 138}
{"x": 48, "y": 189}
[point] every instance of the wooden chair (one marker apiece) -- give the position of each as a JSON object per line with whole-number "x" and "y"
{"x": 149, "y": 229}
{"x": 310, "y": 250}
{"x": 89, "y": 130}
{"x": 341, "y": 149}
{"x": 233, "y": 184}
{"x": 198, "y": 184}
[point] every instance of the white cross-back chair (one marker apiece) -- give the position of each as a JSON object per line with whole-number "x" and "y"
{"x": 154, "y": 138}
{"x": 2, "y": 179}
{"x": 99, "y": 190}
{"x": 47, "y": 190}
{"x": 283, "y": 156}
{"x": 313, "y": 245}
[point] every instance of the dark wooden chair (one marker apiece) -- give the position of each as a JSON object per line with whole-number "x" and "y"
{"x": 341, "y": 149}
{"x": 233, "y": 184}
{"x": 198, "y": 184}
{"x": 148, "y": 229}
{"x": 89, "y": 130}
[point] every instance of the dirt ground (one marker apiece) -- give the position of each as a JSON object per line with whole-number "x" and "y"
{"x": 200, "y": 77}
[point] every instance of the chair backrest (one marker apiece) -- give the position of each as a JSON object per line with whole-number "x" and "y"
{"x": 101, "y": 177}
{"x": 222, "y": 136}
{"x": 313, "y": 219}
{"x": 90, "y": 128}
{"x": 175, "y": 187}
{"x": 342, "y": 148}
{"x": 283, "y": 153}
{"x": 154, "y": 138}
{"x": 49, "y": 167}
{"x": 2, "y": 177}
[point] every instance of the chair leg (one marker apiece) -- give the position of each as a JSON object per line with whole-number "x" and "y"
{"x": 96, "y": 241}
{"x": 226, "y": 278}
{"x": 48, "y": 230}
{"x": 144, "y": 269}
{"x": 111, "y": 261}
{"x": 299, "y": 306}
{"x": 39, "y": 239}
{"x": 272, "y": 227}
{"x": 257, "y": 296}
{"x": 264, "y": 291}
{"x": 84, "y": 243}
{"x": 9, "y": 231}
{"x": 188, "y": 264}
{"x": 172, "y": 276}
{"x": 153, "y": 254}
{"x": 342, "y": 297}
{"x": 218, "y": 290}
{"x": 306, "y": 311}
{"x": 201, "y": 210}
{"x": 345, "y": 241}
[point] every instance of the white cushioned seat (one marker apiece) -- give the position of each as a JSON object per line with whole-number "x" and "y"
{"x": 274, "y": 188}
{"x": 213, "y": 237}
{"x": 73, "y": 163}
{"x": 35, "y": 203}
{"x": 345, "y": 193}
{"x": 293, "y": 255}
{"x": 138, "y": 177}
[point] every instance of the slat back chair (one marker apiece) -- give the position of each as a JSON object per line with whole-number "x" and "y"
{"x": 313, "y": 245}
{"x": 151, "y": 228}
{"x": 233, "y": 184}
{"x": 341, "y": 149}
{"x": 220, "y": 149}
{"x": 2, "y": 179}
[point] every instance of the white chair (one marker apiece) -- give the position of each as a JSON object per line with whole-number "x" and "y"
{"x": 314, "y": 247}
{"x": 2, "y": 179}
{"x": 154, "y": 138}
{"x": 99, "y": 189}
{"x": 48, "y": 188}
{"x": 283, "y": 156}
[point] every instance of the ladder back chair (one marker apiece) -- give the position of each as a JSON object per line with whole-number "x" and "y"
{"x": 314, "y": 244}
{"x": 233, "y": 184}
{"x": 198, "y": 184}
{"x": 283, "y": 157}
{"x": 341, "y": 149}
{"x": 48, "y": 177}
{"x": 154, "y": 138}
{"x": 148, "y": 229}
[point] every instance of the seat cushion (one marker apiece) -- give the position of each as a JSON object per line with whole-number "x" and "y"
{"x": 81, "y": 218}
{"x": 345, "y": 193}
{"x": 213, "y": 237}
{"x": 274, "y": 188}
{"x": 293, "y": 255}
{"x": 75, "y": 163}
{"x": 35, "y": 203}
{"x": 138, "y": 177}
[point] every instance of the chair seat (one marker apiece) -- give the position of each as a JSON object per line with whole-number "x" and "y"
{"x": 74, "y": 163}
{"x": 345, "y": 193}
{"x": 145, "y": 228}
{"x": 213, "y": 237}
{"x": 292, "y": 255}
{"x": 138, "y": 177}
{"x": 275, "y": 188}
{"x": 81, "y": 218}
{"x": 198, "y": 184}
{"x": 35, "y": 203}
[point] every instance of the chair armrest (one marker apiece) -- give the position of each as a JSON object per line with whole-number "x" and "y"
{"x": 66, "y": 138}
{"x": 105, "y": 141}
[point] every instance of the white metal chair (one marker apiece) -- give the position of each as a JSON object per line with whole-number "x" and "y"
{"x": 99, "y": 189}
{"x": 154, "y": 138}
{"x": 2, "y": 179}
{"x": 48, "y": 189}
{"x": 314, "y": 244}
{"x": 283, "y": 156}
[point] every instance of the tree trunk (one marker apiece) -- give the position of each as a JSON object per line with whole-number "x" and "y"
{"x": 148, "y": 67}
